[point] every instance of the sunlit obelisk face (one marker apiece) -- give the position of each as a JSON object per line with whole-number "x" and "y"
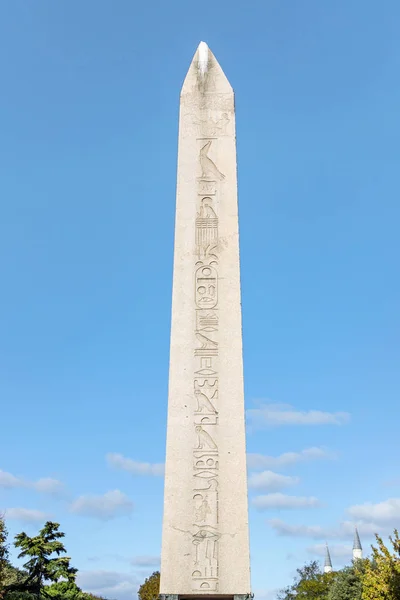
{"x": 205, "y": 546}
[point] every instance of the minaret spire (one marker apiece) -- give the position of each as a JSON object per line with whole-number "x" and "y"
{"x": 328, "y": 563}
{"x": 357, "y": 548}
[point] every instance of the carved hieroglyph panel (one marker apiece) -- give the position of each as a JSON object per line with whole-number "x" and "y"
{"x": 207, "y": 125}
{"x": 206, "y": 227}
{"x": 206, "y": 284}
{"x": 206, "y": 534}
{"x": 207, "y": 188}
{"x": 215, "y": 102}
{"x": 209, "y": 170}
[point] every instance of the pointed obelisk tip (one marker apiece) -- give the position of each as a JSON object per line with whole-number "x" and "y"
{"x": 205, "y": 73}
{"x": 203, "y": 58}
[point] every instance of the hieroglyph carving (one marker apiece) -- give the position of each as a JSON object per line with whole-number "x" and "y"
{"x": 206, "y": 228}
{"x": 206, "y": 287}
{"x": 205, "y": 534}
{"x": 206, "y": 126}
{"x": 209, "y": 169}
{"x": 215, "y": 102}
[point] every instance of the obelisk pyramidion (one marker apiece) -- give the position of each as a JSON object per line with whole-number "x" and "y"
{"x": 205, "y": 544}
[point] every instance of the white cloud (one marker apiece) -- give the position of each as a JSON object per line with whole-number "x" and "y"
{"x": 109, "y": 584}
{"x": 108, "y": 506}
{"x": 118, "y": 461}
{"x": 282, "y": 501}
{"x": 307, "y": 531}
{"x": 145, "y": 561}
{"x": 284, "y": 414}
{"x": 270, "y": 481}
{"x": 386, "y": 512}
{"x": 365, "y": 528}
{"x": 336, "y": 550}
{"x": 26, "y": 515}
{"x": 8, "y": 481}
{"x": 46, "y": 485}
{"x": 345, "y": 530}
{"x": 260, "y": 461}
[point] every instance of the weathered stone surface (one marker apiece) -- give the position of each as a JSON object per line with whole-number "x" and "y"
{"x": 205, "y": 546}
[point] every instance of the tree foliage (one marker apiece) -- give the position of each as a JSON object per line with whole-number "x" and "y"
{"x": 14, "y": 578}
{"x": 310, "y": 583}
{"x": 3, "y": 555}
{"x": 46, "y": 574}
{"x": 20, "y": 595}
{"x": 347, "y": 585}
{"x": 63, "y": 590}
{"x": 381, "y": 577}
{"x": 42, "y": 566}
{"x": 373, "y": 578}
{"x": 150, "y": 589}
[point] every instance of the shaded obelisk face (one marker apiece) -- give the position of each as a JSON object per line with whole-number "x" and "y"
{"x": 205, "y": 548}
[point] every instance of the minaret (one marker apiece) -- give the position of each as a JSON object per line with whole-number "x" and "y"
{"x": 357, "y": 548}
{"x": 328, "y": 562}
{"x": 205, "y": 544}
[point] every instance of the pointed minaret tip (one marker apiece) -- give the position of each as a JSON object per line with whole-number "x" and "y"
{"x": 357, "y": 548}
{"x": 328, "y": 563}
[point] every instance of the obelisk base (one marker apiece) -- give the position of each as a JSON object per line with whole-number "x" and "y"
{"x": 206, "y": 596}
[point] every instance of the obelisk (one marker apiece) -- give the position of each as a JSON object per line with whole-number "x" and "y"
{"x": 205, "y": 544}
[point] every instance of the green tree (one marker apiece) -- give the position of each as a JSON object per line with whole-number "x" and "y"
{"x": 67, "y": 590}
{"x": 41, "y": 566}
{"x": 309, "y": 584}
{"x": 63, "y": 590}
{"x": 347, "y": 584}
{"x": 14, "y": 578}
{"x": 381, "y": 577}
{"x": 20, "y": 595}
{"x": 150, "y": 589}
{"x": 3, "y": 555}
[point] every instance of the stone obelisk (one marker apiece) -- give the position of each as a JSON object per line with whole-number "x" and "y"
{"x": 205, "y": 545}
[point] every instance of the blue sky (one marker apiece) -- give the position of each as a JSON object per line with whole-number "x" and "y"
{"x": 88, "y": 121}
